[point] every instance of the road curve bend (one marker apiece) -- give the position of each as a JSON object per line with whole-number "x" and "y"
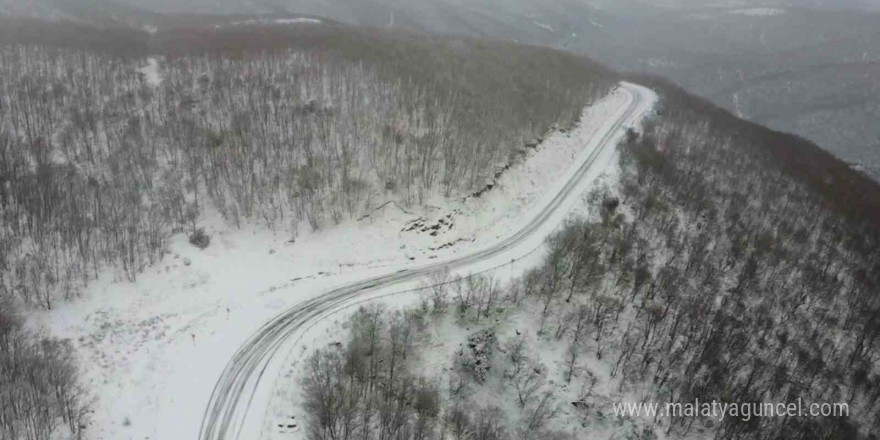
{"x": 234, "y": 391}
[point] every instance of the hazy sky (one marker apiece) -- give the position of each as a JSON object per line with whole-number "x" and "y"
{"x": 245, "y": 5}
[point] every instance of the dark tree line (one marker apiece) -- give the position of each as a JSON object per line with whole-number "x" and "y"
{"x": 114, "y": 39}
{"x": 39, "y": 394}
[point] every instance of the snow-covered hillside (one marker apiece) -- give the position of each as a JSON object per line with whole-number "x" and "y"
{"x": 152, "y": 350}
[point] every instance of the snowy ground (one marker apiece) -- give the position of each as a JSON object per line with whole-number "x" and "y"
{"x": 152, "y": 350}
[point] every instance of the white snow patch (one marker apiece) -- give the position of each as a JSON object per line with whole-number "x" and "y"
{"x": 736, "y": 105}
{"x": 698, "y": 16}
{"x": 544, "y": 26}
{"x": 658, "y": 62}
{"x": 759, "y": 12}
{"x": 151, "y": 72}
{"x": 296, "y": 21}
{"x": 299, "y": 20}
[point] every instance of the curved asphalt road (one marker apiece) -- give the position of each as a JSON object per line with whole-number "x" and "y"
{"x": 238, "y": 383}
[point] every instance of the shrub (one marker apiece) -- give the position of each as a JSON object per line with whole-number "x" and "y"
{"x": 200, "y": 238}
{"x": 476, "y": 357}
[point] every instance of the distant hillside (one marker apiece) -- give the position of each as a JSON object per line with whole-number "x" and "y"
{"x": 807, "y": 66}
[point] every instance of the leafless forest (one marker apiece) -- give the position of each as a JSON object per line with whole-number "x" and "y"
{"x": 709, "y": 272}
{"x": 39, "y": 393}
{"x": 730, "y": 262}
{"x": 99, "y": 166}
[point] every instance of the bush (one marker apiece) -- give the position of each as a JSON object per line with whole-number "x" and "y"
{"x": 476, "y": 357}
{"x": 200, "y": 238}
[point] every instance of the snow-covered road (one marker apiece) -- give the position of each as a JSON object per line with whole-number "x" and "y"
{"x": 241, "y": 395}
